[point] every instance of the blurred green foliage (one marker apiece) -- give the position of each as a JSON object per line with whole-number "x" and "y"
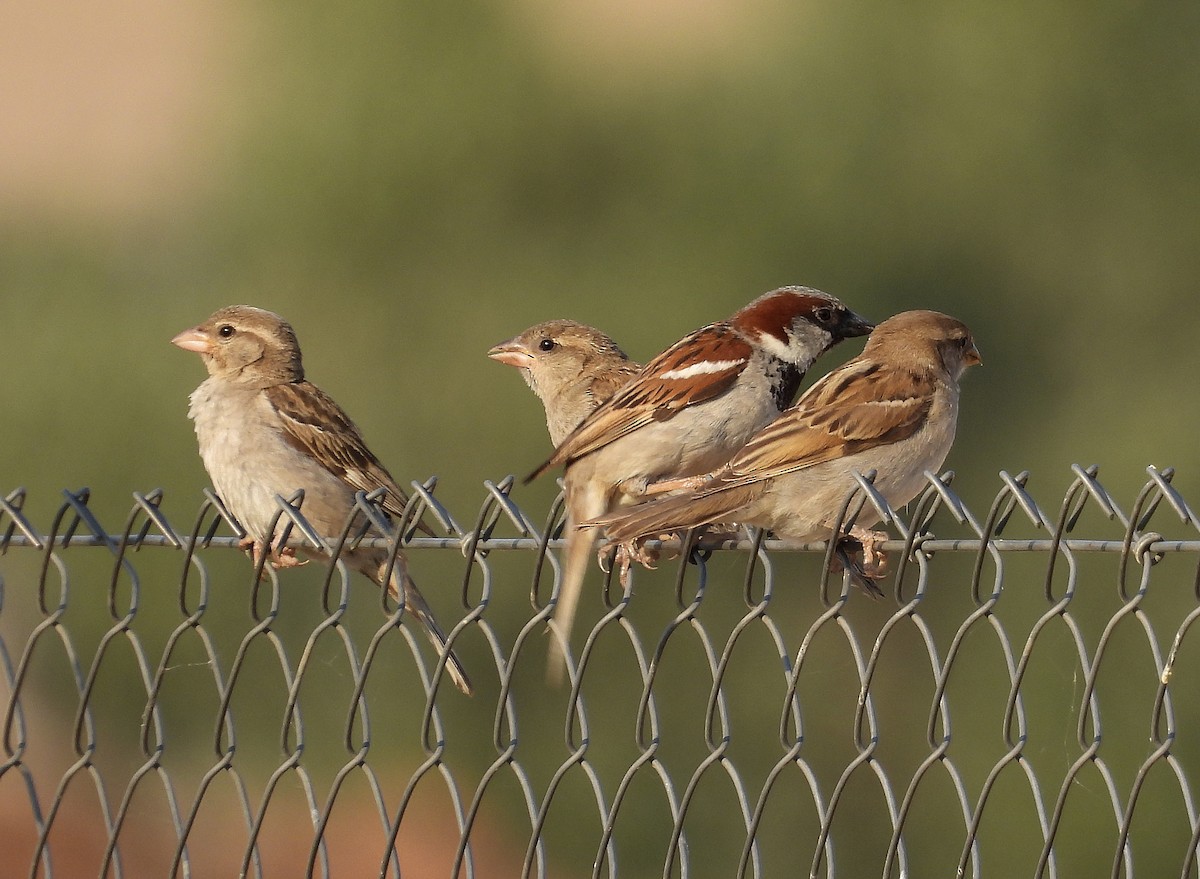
{"x": 409, "y": 183}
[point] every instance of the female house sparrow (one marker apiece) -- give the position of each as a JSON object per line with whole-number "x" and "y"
{"x": 265, "y": 431}
{"x": 572, "y": 368}
{"x": 892, "y": 409}
{"x": 689, "y": 410}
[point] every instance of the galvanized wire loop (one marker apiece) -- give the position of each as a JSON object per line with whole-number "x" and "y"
{"x": 738, "y": 711}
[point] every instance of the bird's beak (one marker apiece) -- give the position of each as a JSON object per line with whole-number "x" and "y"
{"x": 193, "y": 340}
{"x": 512, "y": 353}
{"x": 971, "y": 356}
{"x": 856, "y": 325}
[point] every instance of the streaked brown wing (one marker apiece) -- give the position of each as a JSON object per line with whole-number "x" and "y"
{"x": 607, "y": 383}
{"x": 319, "y": 427}
{"x": 697, "y": 368}
{"x": 852, "y": 409}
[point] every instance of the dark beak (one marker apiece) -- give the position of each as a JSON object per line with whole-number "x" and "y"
{"x": 854, "y": 324}
{"x": 971, "y": 356}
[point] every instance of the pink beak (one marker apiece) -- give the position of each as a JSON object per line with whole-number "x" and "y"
{"x": 512, "y": 354}
{"x": 193, "y": 340}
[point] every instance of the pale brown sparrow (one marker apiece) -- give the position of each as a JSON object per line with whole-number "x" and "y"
{"x": 688, "y": 411}
{"x": 264, "y": 430}
{"x": 572, "y": 368}
{"x": 893, "y": 409}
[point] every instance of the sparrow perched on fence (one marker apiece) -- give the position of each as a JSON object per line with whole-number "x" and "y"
{"x": 572, "y": 368}
{"x": 264, "y": 430}
{"x": 689, "y": 410}
{"x": 893, "y": 409}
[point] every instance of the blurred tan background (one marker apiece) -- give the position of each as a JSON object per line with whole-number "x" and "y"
{"x": 409, "y": 183}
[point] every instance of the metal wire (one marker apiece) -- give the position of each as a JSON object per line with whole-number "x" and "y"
{"x": 1023, "y": 703}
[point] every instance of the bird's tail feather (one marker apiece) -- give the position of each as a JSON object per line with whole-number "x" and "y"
{"x": 676, "y": 513}
{"x": 576, "y": 556}
{"x": 415, "y": 603}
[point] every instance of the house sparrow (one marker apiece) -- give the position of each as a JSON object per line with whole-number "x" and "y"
{"x": 265, "y": 431}
{"x": 571, "y": 367}
{"x": 892, "y": 409}
{"x": 688, "y": 411}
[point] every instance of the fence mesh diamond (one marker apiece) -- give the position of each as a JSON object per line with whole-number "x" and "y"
{"x": 1022, "y": 703}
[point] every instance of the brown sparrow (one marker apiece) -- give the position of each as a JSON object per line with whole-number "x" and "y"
{"x": 572, "y": 368}
{"x": 688, "y": 411}
{"x": 265, "y": 431}
{"x": 893, "y": 409}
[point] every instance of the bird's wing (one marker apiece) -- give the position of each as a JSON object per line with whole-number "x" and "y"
{"x": 317, "y": 426}
{"x": 857, "y": 407}
{"x": 697, "y": 368}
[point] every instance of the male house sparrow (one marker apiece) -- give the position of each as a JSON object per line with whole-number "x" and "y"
{"x": 265, "y": 431}
{"x": 572, "y": 368}
{"x": 689, "y": 410}
{"x": 892, "y": 409}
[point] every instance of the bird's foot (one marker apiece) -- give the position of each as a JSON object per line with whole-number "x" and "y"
{"x": 622, "y": 557}
{"x": 285, "y": 557}
{"x": 859, "y": 554}
{"x": 251, "y": 546}
{"x": 718, "y": 533}
{"x": 874, "y": 559}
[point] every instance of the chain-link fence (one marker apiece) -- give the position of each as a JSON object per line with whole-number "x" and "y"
{"x": 1023, "y": 702}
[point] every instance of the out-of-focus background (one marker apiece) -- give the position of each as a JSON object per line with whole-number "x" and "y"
{"x": 409, "y": 183}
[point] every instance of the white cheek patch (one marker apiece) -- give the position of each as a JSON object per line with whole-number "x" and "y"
{"x": 795, "y": 350}
{"x": 704, "y": 367}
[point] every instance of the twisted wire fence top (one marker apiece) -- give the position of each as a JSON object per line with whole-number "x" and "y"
{"x": 1022, "y": 703}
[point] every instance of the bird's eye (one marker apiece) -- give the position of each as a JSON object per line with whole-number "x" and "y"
{"x": 225, "y": 331}
{"x": 824, "y": 315}
{"x": 546, "y": 344}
